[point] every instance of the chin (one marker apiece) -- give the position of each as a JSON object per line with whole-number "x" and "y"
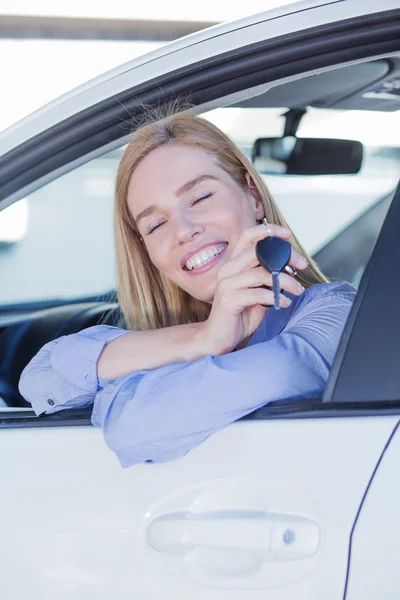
{"x": 201, "y": 289}
{"x": 208, "y": 297}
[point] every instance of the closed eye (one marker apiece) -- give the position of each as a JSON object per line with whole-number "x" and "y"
{"x": 157, "y": 226}
{"x": 203, "y": 198}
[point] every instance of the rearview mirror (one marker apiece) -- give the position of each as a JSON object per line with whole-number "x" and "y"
{"x": 291, "y": 155}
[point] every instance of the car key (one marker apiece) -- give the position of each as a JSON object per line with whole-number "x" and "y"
{"x": 274, "y": 254}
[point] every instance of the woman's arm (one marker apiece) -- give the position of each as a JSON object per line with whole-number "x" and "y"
{"x": 161, "y": 414}
{"x": 69, "y": 371}
{"x": 151, "y": 349}
{"x": 63, "y": 373}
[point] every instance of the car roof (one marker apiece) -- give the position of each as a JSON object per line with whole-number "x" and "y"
{"x": 94, "y": 90}
{"x": 101, "y": 114}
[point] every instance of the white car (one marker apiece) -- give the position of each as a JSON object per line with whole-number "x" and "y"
{"x": 299, "y": 500}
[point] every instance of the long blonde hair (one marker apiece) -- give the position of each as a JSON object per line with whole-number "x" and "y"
{"x": 148, "y": 300}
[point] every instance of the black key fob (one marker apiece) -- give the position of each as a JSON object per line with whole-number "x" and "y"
{"x": 273, "y": 254}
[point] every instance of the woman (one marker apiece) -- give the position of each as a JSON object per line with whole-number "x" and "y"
{"x": 189, "y": 209}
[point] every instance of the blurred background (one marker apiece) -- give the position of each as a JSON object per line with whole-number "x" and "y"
{"x": 48, "y": 47}
{"x": 58, "y": 242}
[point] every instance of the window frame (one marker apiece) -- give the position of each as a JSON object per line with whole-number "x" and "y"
{"x": 76, "y": 138}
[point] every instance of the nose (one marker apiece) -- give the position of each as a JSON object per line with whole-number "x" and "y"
{"x": 187, "y": 228}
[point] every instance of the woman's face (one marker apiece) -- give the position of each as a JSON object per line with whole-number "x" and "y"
{"x": 190, "y": 214}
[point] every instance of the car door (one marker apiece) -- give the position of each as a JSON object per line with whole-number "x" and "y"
{"x": 374, "y": 567}
{"x": 264, "y": 507}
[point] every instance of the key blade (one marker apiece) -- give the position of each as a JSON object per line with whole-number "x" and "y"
{"x": 277, "y": 290}
{"x": 273, "y": 253}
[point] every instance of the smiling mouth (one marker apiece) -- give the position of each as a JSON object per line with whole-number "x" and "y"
{"x": 204, "y": 257}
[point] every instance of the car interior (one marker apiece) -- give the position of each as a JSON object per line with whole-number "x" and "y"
{"x": 374, "y": 85}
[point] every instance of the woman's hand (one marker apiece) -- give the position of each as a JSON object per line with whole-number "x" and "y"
{"x": 240, "y": 301}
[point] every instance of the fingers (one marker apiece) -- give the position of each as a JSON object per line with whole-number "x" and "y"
{"x": 289, "y": 284}
{"x": 253, "y": 296}
{"x": 258, "y": 277}
{"x": 297, "y": 260}
{"x": 244, "y": 256}
{"x": 252, "y": 235}
{"x": 243, "y": 261}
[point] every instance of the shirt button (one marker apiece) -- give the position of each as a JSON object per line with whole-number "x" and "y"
{"x": 51, "y": 402}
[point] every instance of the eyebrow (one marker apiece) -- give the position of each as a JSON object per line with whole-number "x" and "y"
{"x": 190, "y": 184}
{"x": 186, "y": 187}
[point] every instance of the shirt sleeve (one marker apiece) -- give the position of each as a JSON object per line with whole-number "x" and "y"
{"x": 63, "y": 374}
{"x": 161, "y": 414}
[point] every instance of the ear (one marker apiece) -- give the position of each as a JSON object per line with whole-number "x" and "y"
{"x": 259, "y": 207}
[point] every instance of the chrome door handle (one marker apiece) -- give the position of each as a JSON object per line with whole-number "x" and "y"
{"x": 275, "y": 536}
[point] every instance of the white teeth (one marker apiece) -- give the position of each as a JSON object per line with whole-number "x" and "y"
{"x": 204, "y": 256}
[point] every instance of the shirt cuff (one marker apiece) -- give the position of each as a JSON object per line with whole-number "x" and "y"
{"x": 41, "y": 405}
{"x": 75, "y": 359}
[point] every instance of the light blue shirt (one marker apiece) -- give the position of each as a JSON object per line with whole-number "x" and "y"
{"x": 160, "y": 414}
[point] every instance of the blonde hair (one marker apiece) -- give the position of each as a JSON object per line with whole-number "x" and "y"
{"x": 148, "y": 300}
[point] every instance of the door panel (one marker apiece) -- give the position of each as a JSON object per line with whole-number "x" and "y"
{"x": 375, "y": 557}
{"x": 261, "y": 507}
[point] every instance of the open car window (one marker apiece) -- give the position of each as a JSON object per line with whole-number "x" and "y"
{"x": 62, "y": 247}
